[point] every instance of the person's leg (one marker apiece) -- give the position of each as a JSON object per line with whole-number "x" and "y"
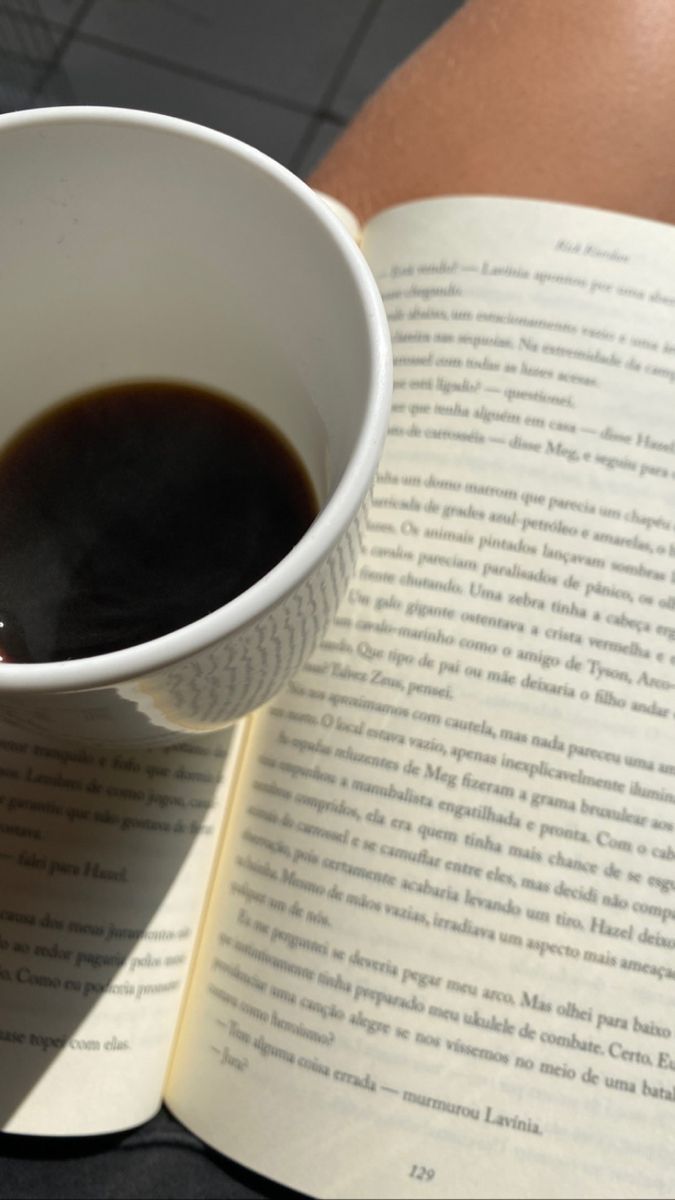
{"x": 556, "y": 99}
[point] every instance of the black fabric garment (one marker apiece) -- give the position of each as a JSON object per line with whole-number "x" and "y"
{"x": 159, "y": 1159}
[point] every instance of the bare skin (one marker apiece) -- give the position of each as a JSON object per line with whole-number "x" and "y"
{"x": 569, "y": 100}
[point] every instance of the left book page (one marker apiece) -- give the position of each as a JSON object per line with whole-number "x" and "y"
{"x": 105, "y": 861}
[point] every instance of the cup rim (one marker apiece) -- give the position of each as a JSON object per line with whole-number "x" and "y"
{"x": 334, "y": 518}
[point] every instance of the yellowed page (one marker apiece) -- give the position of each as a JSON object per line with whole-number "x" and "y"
{"x": 105, "y": 857}
{"x": 441, "y": 961}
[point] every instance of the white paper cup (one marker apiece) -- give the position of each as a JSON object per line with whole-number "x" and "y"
{"x": 135, "y": 246}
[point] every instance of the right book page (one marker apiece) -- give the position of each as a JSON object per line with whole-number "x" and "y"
{"x": 439, "y": 957}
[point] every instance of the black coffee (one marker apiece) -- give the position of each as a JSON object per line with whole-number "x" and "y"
{"x": 132, "y": 510}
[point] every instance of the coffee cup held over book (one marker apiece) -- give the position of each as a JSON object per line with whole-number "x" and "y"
{"x": 149, "y": 262}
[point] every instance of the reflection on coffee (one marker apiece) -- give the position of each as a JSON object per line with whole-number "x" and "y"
{"x": 132, "y": 510}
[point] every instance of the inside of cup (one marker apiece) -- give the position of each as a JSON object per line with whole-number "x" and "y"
{"x": 141, "y": 250}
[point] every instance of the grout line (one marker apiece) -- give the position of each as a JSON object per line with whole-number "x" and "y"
{"x": 79, "y": 14}
{"x": 69, "y": 34}
{"x": 296, "y": 159}
{"x": 349, "y": 54}
{"x": 322, "y": 112}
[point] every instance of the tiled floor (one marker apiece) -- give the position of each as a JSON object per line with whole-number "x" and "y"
{"x": 284, "y": 75}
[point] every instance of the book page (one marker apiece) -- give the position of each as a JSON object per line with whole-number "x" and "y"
{"x": 440, "y": 960}
{"x": 105, "y": 856}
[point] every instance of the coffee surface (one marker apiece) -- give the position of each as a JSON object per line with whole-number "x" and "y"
{"x": 132, "y": 510}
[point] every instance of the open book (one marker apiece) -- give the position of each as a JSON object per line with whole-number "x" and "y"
{"x": 414, "y": 933}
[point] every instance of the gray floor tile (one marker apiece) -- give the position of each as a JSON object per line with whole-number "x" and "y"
{"x": 28, "y": 47}
{"x": 59, "y": 12}
{"x": 63, "y": 12}
{"x": 99, "y": 76}
{"x": 27, "y": 38}
{"x": 287, "y": 48}
{"x": 17, "y": 80}
{"x": 320, "y": 138}
{"x": 397, "y": 29}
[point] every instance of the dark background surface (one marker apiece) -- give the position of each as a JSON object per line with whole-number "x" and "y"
{"x": 285, "y": 76}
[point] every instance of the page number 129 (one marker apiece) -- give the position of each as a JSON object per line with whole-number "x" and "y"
{"x": 422, "y": 1174}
